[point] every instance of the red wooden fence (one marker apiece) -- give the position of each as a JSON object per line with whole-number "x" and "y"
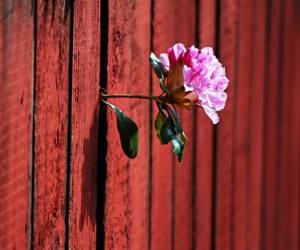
{"x": 64, "y": 180}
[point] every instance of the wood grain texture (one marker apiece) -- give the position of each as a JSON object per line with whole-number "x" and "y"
{"x": 223, "y": 237}
{"x": 51, "y": 106}
{"x": 204, "y": 145}
{"x": 288, "y": 214}
{"x": 126, "y": 210}
{"x": 238, "y": 187}
{"x": 171, "y": 222}
{"x": 184, "y": 31}
{"x": 16, "y": 52}
{"x": 271, "y": 127}
{"x": 296, "y": 36}
{"x": 139, "y": 82}
{"x": 162, "y": 159}
{"x": 85, "y": 111}
{"x": 256, "y": 120}
{"x": 241, "y": 135}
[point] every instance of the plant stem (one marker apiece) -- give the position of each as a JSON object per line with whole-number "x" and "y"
{"x": 131, "y": 96}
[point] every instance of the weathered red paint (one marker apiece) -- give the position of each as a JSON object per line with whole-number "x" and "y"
{"x": 224, "y": 176}
{"x": 256, "y": 128}
{"x": 162, "y": 160}
{"x": 16, "y": 50}
{"x": 139, "y": 83}
{"x": 271, "y": 130}
{"x": 241, "y": 123}
{"x": 85, "y": 111}
{"x": 184, "y": 32}
{"x": 257, "y": 157}
{"x": 126, "y": 211}
{"x": 288, "y": 196}
{"x": 116, "y": 226}
{"x": 51, "y": 111}
{"x": 204, "y": 143}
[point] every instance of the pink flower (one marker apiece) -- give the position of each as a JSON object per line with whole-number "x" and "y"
{"x": 195, "y": 77}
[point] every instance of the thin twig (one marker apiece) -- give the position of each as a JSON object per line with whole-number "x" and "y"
{"x": 155, "y": 98}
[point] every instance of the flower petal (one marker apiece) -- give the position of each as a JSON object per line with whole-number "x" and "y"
{"x": 198, "y": 72}
{"x": 187, "y": 78}
{"x": 190, "y": 56}
{"x": 176, "y": 53}
{"x": 212, "y": 114}
{"x": 164, "y": 59}
{"x": 216, "y": 100}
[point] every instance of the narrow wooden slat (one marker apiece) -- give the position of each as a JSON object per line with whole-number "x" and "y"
{"x": 139, "y": 82}
{"x": 287, "y": 231}
{"x": 241, "y": 135}
{"x": 85, "y": 111}
{"x": 51, "y": 108}
{"x": 164, "y": 203}
{"x": 296, "y": 34}
{"x": 256, "y": 120}
{"x": 126, "y": 211}
{"x": 16, "y": 66}
{"x": 223, "y": 238}
{"x": 162, "y": 161}
{"x": 183, "y": 194}
{"x": 296, "y": 18}
{"x": 271, "y": 126}
{"x": 204, "y": 147}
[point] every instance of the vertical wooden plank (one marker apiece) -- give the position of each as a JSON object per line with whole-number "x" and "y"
{"x": 162, "y": 160}
{"x": 126, "y": 211}
{"x": 241, "y": 116}
{"x": 296, "y": 18}
{"x": 139, "y": 82}
{"x": 287, "y": 232}
{"x": 184, "y": 31}
{"x": 165, "y": 35}
{"x": 16, "y": 65}
{"x": 116, "y": 203}
{"x": 85, "y": 111}
{"x": 223, "y": 238}
{"x": 271, "y": 126}
{"x": 52, "y": 61}
{"x": 204, "y": 143}
{"x": 256, "y": 120}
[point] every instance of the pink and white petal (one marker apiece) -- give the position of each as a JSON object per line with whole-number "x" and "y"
{"x": 190, "y": 56}
{"x": 207, "y": 51}
{"x": 187, "y": 74}
{"x": 220, "y": 83}
{"x": 176, "y": 53}
{"x": 164, "y": 59}
{"x": 211, "y": 113}
{"x": 216, "y": 100}
{"x": 193, "y": 51}
{"x": 202, "y": 99}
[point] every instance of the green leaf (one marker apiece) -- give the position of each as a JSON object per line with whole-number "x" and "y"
{"x": 160, "y": 106}
{"x": 159, "y": 121}
{"x": 163, "y": 86}
{"x": 167, "y": 132}
{"x": 176, "y": 121}
{"x": 128, "y": 132}
{"x": 179, "y": 145}
{"x": 157, "y": 66}
{"x": 169, "y": 129}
